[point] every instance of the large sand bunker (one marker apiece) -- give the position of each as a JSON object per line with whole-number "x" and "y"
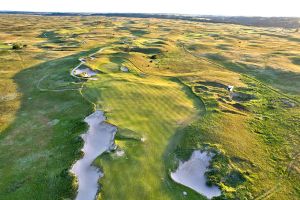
{"x": 85, "y": 72}
{"x": 191, "y": 173}
{"x": 98, "y": 139}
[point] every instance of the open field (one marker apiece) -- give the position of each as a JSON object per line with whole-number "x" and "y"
{"x": 173, "y": 100}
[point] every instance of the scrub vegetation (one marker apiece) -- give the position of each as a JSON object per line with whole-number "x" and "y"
{"x": 173, "y": 100}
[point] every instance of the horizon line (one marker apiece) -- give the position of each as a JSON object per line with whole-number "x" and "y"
{"x": 183, "y": 14}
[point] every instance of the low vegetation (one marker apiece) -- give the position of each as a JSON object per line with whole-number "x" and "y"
{"x": 173, "y": 100}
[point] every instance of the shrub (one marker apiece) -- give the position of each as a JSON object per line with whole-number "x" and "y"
{"x": 17, "y": 46}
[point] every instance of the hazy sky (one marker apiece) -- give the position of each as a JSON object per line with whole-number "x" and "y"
{"x": 203, "y": 7}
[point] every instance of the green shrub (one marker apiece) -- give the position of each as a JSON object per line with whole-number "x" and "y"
{"x": 17, "y": 46}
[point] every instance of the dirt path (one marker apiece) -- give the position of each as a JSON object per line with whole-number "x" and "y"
{"x": 38, "y": 85}
{"x": 82, "y": 62}
{"x": 52, "y": 90}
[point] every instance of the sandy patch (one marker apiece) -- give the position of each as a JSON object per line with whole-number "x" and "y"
{"x": 120, "y": 153}
{"x": 8, "y": 97}
{"x": 124, "y": 69}
{"x": 87, "y": 72}
{"x": 98, "y": 139}
{"x": 191, "y": 174}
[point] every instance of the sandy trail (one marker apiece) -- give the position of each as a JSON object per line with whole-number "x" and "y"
{"x": 73, "y": 73}
{"x": 98, "y": 139}
{"x": 52, "y": 90}
{"x": 191, "y": 173}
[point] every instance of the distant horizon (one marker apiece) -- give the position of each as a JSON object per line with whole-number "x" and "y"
{"x": 182, "y": 14}
{"x": 230, "y": 8}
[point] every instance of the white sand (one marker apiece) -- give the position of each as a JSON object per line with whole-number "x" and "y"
{"x": 124, "y": 69}
{"x": 89, "y": 72}
{"x": 98, "y": 139}
{"x": 82, "y": 61}
{"x": 191, "y": 174}
{"x": 120, "y": 153}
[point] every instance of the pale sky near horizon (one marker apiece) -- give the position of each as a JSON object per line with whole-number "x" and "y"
{"x": 201, "y": 7}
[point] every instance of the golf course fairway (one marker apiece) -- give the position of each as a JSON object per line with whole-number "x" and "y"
{"x": 139, "y": 102}
{"x": 149, "y": 109}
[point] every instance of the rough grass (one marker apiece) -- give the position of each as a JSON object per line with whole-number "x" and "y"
{"x": 177, "y": 103}
{"x": 43, "y": 150}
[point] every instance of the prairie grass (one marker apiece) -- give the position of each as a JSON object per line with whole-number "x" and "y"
{"x": 172, "y": 101}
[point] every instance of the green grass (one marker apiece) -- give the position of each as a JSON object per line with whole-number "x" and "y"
{"x": 4, "y": 46}
{"x": 152, "y": 108}
{"x": 296, "y": 60}
{"x": 177, "y": 102}
{"x": 43, "y": 151}
{"x": 237, "y": 167}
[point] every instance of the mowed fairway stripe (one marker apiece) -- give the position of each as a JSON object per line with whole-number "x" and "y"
{"x": 150, "y": 106}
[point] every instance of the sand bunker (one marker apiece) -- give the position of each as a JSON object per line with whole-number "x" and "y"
{"x": 124, "y": 69}
{"x": 85, "y": 72}
{"x": 98, "y": 139}
{"x": 191, "y": 174}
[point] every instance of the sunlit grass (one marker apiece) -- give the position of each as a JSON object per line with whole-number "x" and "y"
{"x": 158, "y": 106}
